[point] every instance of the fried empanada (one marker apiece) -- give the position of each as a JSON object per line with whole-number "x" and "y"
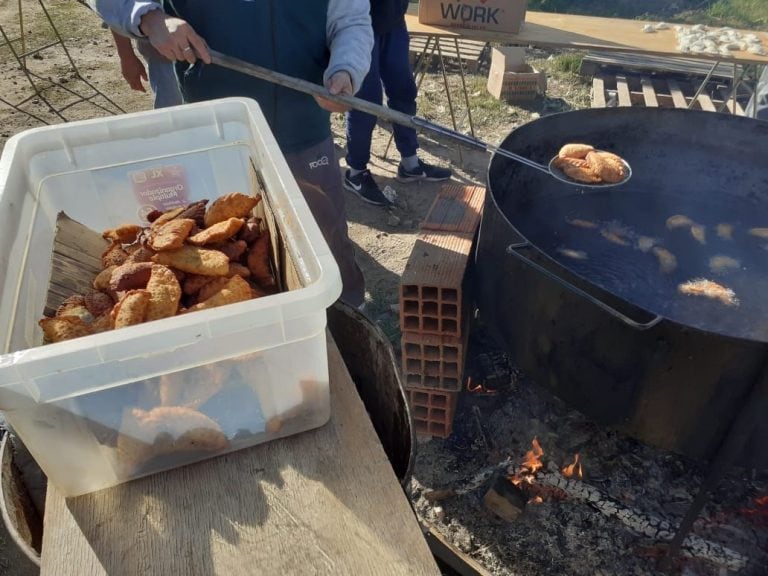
{"x": 196, "y": 212}
{"x": 218, "y": 232}
{"x": 214, "y": 286}
{"x": 101, "y": 282}
{"x": 130, "y": 276}
{"x": 97, "y": 302}
{"x": 194, "y": 260}
{"x": 167, "y": 216}
{"x": 63, "y": 328}
{"x": 575, "y": 150}
{"x": 170, "y": 235}
{"x": 235, "y": 290}
{"x": 233, "y": 250}
{"x": 233, "y": 205}
{"x": 165, "y": 293}
{"x": 125, "y": 233}
{"x": 113, "y": 255}
{"x": 166, "y": 430}
{"x": 258, "y": 261}
{"x": 131, "y": 309}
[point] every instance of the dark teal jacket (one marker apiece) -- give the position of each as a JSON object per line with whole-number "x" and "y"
{"x": 288, "y": 36}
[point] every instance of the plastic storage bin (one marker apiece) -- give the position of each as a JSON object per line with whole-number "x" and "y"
{"x": 87, "y": 408}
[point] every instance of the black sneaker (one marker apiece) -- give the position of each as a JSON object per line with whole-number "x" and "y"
{"x": 423, "y": 172}
{"x": 365, "y": 186}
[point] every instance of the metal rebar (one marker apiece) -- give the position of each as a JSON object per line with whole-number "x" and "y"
{"x": 464, "y": 88}
{"x": 753, "y": 409}
{"x": 448, "y": 95}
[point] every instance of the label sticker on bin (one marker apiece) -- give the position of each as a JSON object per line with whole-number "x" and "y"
{"x": 159, "y": 188}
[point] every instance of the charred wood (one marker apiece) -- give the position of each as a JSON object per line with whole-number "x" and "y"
{"x": 504, "y": 499}
{"x": 640, "y": 523}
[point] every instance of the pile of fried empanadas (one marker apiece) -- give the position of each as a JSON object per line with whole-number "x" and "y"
{"x": 582, "y": 163}
{"x": 189, "y": 258}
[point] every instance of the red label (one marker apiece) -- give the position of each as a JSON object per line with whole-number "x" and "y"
{"x": 160, "y": 188}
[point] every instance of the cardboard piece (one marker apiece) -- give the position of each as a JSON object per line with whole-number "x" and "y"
{"x": 494, "y": 15}
{"x": 511, "y": 79}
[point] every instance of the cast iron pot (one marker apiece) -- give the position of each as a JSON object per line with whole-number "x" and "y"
{"x": 610, "y": 351}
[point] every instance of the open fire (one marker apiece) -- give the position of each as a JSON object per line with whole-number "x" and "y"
{"x": 526, "y": 483}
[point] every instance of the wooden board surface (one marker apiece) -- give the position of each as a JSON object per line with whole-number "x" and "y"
{"x": 322, "y": 502}
{"x": 588, "y": 33}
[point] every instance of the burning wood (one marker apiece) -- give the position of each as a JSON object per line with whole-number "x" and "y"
{"x": 539, "y": 484}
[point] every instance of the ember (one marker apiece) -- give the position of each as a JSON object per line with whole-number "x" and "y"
{"x": 759, "y": 514}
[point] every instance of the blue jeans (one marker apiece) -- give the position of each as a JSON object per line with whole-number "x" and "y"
{"x": 162, "y": 76}
{"x": 390, "y": 67}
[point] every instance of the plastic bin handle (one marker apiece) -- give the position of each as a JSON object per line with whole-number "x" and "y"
{"x": 513, "y": 249}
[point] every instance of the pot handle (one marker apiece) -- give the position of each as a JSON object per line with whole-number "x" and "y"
{"x": 513, "y": 250}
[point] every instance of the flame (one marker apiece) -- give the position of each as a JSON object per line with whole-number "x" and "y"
{"x": 574, "y": 469}
{"x": 531, "y": 463}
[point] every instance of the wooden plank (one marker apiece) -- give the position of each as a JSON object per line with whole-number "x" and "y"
{"x": 677, "y": 94}
{"x": 649, "y": 94}
{"x": 598, "y": 92}
{"x": 470, "y": 50}
{"x": 322, "y": 502}
{"x": 622, "y": 88}
{"x": 454, "y": 558}
{"x": 735, "y": 108}
{"x": 588, "y": 33}
{"x": 706, "y": 103}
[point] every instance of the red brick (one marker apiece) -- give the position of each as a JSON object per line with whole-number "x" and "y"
{"x": 433, "y": 361}
{"x": 431, "y": 288}
{"x": 433, "y": 411}
{"x": 457, "y": 208}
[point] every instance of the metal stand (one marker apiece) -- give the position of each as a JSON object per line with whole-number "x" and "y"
{"x": 40, "y": 85}
{"x": 420, "y": 69}
{"x": 754, "y": 408}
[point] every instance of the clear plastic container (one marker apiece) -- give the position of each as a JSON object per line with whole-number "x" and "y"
{"x": 103, "y": 409}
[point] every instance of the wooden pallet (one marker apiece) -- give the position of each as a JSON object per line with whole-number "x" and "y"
{"x": 470, "y": 51}
{"x": 608, "y": 90}
{"x": 596, "y": 62}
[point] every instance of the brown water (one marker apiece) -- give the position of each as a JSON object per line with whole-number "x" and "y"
{"x": 620, "y": 241}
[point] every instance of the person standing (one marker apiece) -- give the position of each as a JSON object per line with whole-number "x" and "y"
{"x": 159, "y": 71}
{"x": 390, "y": 68}
{"x": 322, "y": 41}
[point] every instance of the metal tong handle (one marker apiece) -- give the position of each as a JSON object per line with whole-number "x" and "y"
{"x": 360, "y": 105}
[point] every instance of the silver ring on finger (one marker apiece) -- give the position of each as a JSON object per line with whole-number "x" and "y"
{"x": 187, "y": 49}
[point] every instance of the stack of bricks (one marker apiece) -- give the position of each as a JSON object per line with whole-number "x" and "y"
{"x": 434, "y": 308}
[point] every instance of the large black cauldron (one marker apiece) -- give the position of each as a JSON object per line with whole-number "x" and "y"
{"x": 573, "y": 282}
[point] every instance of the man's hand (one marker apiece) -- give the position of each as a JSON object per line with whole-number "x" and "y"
{"x": 173, "y": 37}
{"x": 133, "y": 71}
{"x": 339, "y": 83}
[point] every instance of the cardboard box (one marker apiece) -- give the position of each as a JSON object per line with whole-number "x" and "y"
{"x": 492, "y": 15}
{"x": 511, "y": 79}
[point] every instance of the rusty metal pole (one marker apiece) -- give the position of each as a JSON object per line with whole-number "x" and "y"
{"x": 753, "y": 410}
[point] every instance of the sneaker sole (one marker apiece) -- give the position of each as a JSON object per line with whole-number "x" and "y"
{"x": 357, "y": 193}
{"x": 421, "y": 179}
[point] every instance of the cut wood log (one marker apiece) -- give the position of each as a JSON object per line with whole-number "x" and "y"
{"x": 504, "y": 499}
